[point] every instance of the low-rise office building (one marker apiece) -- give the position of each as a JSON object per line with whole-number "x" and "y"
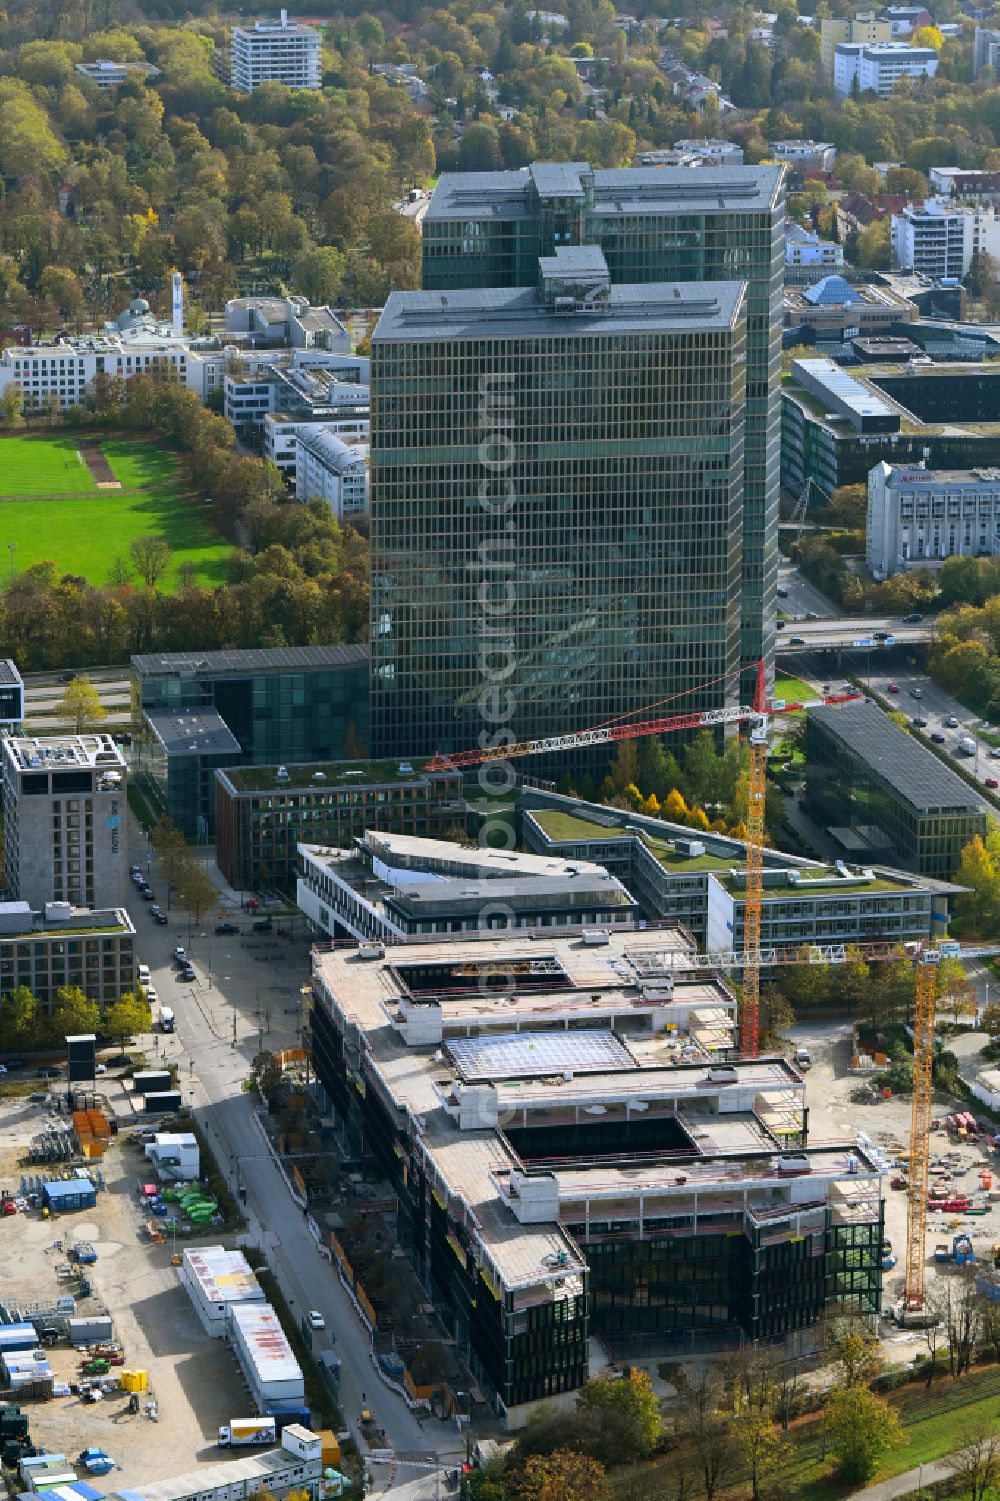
{"x": 832, "y": 308}
{"x": 918, "y": 515}
{"x": 504, "y": 1087}
{"x": 108, "y": 75}
{"x": 392, "y": 887}
{"x": 804, "y": 157}
{"x": 282, "y": 432}
{"x": 65, "y": 813}
{"x": 867, "y": 777}
{"x": 62, "y": 945}
{"x": 699, "y": 880}
{"x": 280, "y": 705}
{"x": 264, "y": 812}
{"x": 303, "y": 385}
{"x": 327, "y": 468}
{"x": 945, "y": 414}
{"x": 276, "y": 322}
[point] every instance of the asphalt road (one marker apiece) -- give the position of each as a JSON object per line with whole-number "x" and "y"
{"x": 801, "y": 595}
{"x": 212, "y": 1068}
{"x": 934, "y": 705}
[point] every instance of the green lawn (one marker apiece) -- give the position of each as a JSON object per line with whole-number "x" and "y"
{"x": 42, "y": 466}
{"x": 793, "y": 690}
{"x": 85, "y": 536}
{"x": 934, "y": 1423}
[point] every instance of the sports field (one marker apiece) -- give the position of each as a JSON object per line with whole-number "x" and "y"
{"x": 83, "y": 530}
{"x": 42, "y": 466}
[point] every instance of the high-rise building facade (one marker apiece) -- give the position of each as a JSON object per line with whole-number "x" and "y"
{"x": 279, "y": 51}
{"x": 557, "y": 485}
{"x": 486, "y": 229}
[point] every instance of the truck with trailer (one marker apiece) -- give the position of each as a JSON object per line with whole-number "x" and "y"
{"x": 238, "y": 1433}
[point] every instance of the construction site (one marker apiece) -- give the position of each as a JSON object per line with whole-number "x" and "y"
{"x": 100, "y": 1346}
{"x": 590, "y": 1158}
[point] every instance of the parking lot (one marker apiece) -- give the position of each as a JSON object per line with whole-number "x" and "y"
{"x": 194, "y": 1379}
{"x": 833, "y": 1112}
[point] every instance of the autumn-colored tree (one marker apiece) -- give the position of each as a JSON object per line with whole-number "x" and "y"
{"x": 631, "y": 1397}
{"x": 81, "y": 705}
{"x": 862, "y": 1429}
{"x": 126, "y": 1018}
{"x": 675, "y": 809}
{"x": 560, "y": 1476}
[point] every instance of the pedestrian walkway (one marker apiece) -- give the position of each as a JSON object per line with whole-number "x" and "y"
{"x": 905, "y": 1484}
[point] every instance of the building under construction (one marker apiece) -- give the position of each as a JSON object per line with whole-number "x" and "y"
{"x": 579, "y": 1154}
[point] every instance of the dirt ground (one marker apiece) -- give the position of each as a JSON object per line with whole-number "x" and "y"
{"x": 832, "y": 1112}
{"x": 195, "y": 1379}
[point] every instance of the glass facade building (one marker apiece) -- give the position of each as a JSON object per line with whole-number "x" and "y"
{"x": 657, "y": 224}
{"x": 557, "y": 505}
{"x": 280, "y": 705}
{"x": 866, "y": 774}
{"x": 261, "y": 819}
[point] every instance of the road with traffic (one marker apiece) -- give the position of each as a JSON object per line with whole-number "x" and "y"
{"x": 218, "y": 1029}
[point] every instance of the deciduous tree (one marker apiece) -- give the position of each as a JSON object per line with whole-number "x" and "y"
{"x": 81, "y": 704}
{"x": 862, "y": 1429}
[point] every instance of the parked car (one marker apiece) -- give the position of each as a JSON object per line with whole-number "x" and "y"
{"x": 180, "y": 955}
{"x": 46, "y": 1073}
{"x": 160, "y": 917}
{"x": 991, "y": 782}
{"x": 316, "y": 1319}
{"x": 187, "y": 973}
{"x": 226, "y": 927}
{"x": 148, "y": 894}
{"x": 14, "y": 1063}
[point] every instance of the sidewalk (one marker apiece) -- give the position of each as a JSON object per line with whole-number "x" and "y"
{"x": 905, "y": 1484}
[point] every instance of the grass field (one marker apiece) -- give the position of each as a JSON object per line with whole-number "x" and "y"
{"x": 85, "y": 536}
{"x": 42, "y": 466}
{"x": 934, "y": 1423}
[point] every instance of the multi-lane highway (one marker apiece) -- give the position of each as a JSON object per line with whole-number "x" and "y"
{"x": 851, "y": 631}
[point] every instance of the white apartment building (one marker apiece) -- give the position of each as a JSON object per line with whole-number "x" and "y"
{"x": 803, "y": 247}
{"x": 282, "y": 431}
{"x": 821, "y": 156}
{"x": 279, "y": 51}
{"x": 877, "y": 68}
{"x": 938, "y": 239}
{"x": 329, "y": 469}
{"x": 918, "y": 515}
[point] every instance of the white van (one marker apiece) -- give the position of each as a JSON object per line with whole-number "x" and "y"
{"x": 143, "y": 975}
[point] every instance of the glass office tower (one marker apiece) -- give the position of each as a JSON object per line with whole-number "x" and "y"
{"x": 557, "y": 482}
{"x": 655, "y": 224}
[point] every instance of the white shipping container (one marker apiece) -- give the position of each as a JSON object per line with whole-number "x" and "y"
{"x": 273, "y": 1373}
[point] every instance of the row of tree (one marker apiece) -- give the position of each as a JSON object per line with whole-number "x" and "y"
{"x": 26, "y": 1024}
{"x": 296, "y": 577}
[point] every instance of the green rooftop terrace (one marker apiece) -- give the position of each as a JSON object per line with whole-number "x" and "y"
{"x": 316, "y": 775}
{"x": 817, "y": 881}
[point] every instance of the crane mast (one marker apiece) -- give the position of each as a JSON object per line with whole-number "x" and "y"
{"x": 924, "y": 1009}
{"x": 754, "y": 900}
